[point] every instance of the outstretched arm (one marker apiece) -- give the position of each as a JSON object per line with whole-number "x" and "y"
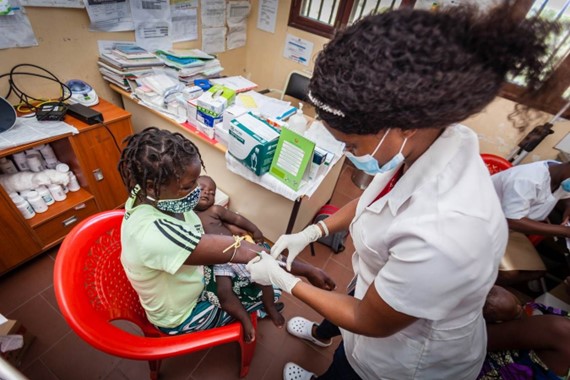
{"x": 529, "y": 226}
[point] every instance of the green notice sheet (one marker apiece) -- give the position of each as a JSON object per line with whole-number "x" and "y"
{"x": 293, "y": 155}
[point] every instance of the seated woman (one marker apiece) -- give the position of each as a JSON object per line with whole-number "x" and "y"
{"x": 524, "y": 342}
{"x": 528, "y": 194}
{"x": 165, "y": 250}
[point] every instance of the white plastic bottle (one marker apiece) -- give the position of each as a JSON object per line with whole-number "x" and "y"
{"x": 21, "y": 162}
{"x": 34, "y": 161}
{"x": 37, "y": 202}
{"x": 46, "y": 195}
{"x": 63, "y": 168}
{"x": 298, "y": 122}
{"x": 7, "y": 166}
{"x": 23, "y": 206}
{"x": 49, "y": 155}
{"x": 73, "y": 183}
{"x": 57, "y": 192}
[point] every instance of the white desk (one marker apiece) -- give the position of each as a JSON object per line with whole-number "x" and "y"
{"x": 272, "y": 213}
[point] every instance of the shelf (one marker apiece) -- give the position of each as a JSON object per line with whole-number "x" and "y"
{"x": 73, "y": 199}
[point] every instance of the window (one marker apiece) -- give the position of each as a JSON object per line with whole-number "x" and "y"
{"x": 323, "y": 17}
{"x": 554, "y": 93}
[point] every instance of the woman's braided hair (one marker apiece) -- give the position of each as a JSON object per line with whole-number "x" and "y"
{"x": 156, "y": 155}
{"x": 413, "y": 69}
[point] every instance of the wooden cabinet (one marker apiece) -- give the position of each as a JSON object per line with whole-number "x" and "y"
{"x": 92, "y": 155}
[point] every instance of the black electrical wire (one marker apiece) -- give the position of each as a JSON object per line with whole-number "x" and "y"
{"x": 27, "y": 99}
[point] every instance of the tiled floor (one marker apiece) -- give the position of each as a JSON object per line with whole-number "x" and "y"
{"x": 26, "y": 294}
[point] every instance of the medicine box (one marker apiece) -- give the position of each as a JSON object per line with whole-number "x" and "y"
{"x": 216, "y": 99}
{"x": 253, "y": 142}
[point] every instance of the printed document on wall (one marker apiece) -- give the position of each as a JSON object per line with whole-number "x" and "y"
{"x": 109, "y": 15}
{"x": 267, "y": 15}
{"x": 237, "y": 13}
{"x": 298, "y": 49}
{"x": 184, "y": 20}
{"x": 213, "y": 40}
{"x": 213, "y": 13}
{"x": 152, "y": 24}
{"x": 15, "y": 28}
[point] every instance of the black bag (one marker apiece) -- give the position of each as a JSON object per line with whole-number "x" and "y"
{"x": 334, "y": 241}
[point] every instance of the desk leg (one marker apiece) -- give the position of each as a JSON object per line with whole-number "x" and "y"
{"x": 293, "y": 216}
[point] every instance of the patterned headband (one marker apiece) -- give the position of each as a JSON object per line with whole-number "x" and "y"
{"x": 324, "y": 107}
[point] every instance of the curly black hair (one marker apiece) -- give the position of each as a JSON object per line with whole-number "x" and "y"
{"x": 156, "y": 155}
{"x": 413, "y": 69}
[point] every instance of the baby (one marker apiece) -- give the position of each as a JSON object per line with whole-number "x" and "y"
{"x": 219, "y": 220}
{"x": 501, "y": 306}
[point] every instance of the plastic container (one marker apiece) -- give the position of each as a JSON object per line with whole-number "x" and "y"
{"x": 7, "y": 166}
{"x": 37, "y": 202}
{"x": 73, "y": 184}
{"x": 23, "y": 206}
{"x": 24, "y": 193}
{"x": 21, "y": 162}
{"x": 57, "y": 192}
{"x": 46, "y": 195}
{"x": 64, "y": 168}
{"x": 34, "y": 161}
{"x": 48, "y": 155}
{"x": 298, "y": 122}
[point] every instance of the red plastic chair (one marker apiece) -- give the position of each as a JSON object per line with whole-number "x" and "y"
{"x": 497, "y": 164}
{"x": 92, "y": 290}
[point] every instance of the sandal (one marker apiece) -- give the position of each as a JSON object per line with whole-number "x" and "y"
{"x": 292, "y": 371}
{"x": 301, "y": 328}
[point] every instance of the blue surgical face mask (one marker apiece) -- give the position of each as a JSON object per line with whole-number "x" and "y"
{"x": 565, "y": 185}
{"x": 179, "y": 205}
{"x": 369, "y": 164}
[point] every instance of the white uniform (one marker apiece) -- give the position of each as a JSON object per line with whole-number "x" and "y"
{"x": 524, "y": 191}
{"x": 431, "y": 248}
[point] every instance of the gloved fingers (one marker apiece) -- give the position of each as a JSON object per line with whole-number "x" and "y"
{"x": 290, "y": 258}
{"x": 279, "y": 246}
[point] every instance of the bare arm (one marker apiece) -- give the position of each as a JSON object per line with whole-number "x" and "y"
{"x": 340, "y": 220}
{"x": 230, "y": 217}
{"x": 535, "y": 333}
{"x": 210, "y": 251}
{"x": 371, "y": 316}
{"x": 528, "y": 226}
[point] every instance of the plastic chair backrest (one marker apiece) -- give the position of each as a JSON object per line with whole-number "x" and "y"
{"x": 94, "y": 265}
{"x": 297, "y": 85}
{"x": 495, "y": 163}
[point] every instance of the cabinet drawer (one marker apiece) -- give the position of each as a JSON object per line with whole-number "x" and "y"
{"x": 58, "y": 227}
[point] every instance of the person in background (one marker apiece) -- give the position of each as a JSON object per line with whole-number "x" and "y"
{"x": 528, "y": 194}
{"x": 524, "y": 341}
{"x": 218, "y": 220}
{"x": 165, "y": 252}
{"x": 428, "y": 231}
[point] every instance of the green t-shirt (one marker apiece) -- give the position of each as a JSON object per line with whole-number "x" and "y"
{"x": 154, "y": 249}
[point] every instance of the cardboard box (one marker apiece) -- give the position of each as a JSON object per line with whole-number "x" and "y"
{"x": 217, "y": 99}
{"x": 13, "y": 327}
{"x": 253, "y": 142}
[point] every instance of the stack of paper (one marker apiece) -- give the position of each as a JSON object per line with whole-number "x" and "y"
{"x": 191, "y": 63}
{"x": 125, "y": 63}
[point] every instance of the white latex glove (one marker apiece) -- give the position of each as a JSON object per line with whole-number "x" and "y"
{"x": 295, "y": 243}
{"x": 265, "y": 270}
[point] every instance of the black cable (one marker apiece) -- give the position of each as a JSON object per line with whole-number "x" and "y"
{"x": 112, "y": 136}
{"x": 28, "y": 99}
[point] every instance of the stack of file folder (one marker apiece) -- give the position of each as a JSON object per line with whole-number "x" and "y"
{"x": 191, "y": 64}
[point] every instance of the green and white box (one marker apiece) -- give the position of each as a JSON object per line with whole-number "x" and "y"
{"x": 253, "y": 142}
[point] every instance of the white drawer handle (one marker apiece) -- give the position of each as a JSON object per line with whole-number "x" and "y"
{"x": 69, "y": 221}
{"x": 80, "y": 206}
